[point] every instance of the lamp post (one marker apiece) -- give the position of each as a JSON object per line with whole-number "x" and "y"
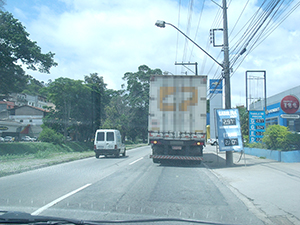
{"x": 225, "y": 65}
{"x": 162, "y": 24}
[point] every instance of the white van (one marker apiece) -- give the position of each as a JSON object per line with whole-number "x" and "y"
{"x": 108, "y": 142}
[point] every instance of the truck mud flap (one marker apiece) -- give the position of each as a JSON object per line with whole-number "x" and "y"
{"x": 177, "y": 157}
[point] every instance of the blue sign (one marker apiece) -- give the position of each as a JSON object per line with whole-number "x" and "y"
{"x": 215, "y": 86}
{"x": 229, "y": 130}
{"x": 257, "y": 126}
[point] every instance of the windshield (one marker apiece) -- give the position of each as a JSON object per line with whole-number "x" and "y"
{"x": 98, "y": 123}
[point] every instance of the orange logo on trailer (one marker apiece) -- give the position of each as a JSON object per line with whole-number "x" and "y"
{"x": 166, "y": 92}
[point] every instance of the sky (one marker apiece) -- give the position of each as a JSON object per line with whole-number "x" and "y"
{"x": 112, "y": 37}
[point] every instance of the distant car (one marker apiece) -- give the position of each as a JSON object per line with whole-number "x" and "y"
{"x": 34, "y": 138}
{"x": 1, "y": 139}
{"x": 26, "y": 138}
{"x": 8, "y": 139}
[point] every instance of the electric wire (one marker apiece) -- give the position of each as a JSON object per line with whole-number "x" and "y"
{"x": 177, "y": 42}
{"x": 277, "y": 13}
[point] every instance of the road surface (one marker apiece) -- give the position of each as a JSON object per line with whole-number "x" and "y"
{"x": 130, "y": 187}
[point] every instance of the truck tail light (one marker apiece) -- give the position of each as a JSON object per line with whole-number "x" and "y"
{"x": 198, "y": 143}
{"x": 155, "y": 142}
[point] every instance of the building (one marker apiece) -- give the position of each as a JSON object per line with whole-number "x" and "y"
{"x": 275, "y": 114}
{"x": 25, "y": 99}
{"x": 22, "y": 121}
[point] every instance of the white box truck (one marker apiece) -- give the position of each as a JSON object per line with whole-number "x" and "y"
{"x": 177, "y": 117}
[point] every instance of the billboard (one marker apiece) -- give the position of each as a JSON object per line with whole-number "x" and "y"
{"x": 215, "y": 86}
{"x": 229, "y": 130}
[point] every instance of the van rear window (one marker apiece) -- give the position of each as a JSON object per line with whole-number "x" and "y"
{"x": 100, "y": 136}
{"x": 110, "y": 136}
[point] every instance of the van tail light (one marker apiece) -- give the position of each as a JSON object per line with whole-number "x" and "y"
{"x": 95, "y": 147}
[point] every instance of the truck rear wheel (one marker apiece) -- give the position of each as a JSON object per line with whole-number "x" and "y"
{"x": 155, "y": 160}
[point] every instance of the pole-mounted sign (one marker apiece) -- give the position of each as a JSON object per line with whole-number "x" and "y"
{"x": 289, "y": 104}
{"x": 229, "y": 130}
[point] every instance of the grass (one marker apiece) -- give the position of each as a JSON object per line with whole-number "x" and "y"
{"x": 20, "y": 157}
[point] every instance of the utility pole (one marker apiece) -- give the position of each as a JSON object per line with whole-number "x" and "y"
{"x": 226, "y": 71}
{"x": 189, "y": 63}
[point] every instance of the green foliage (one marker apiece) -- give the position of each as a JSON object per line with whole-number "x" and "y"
{"x": 275, "y": 137}
{"x": 33, "y": 86}
{"x": 79, "y": 106}
{"x": 118, "y": 114}
{"x": 15, "y": 47}
{"x": 244, "y": 121}
{"x": 137, "y": 95}
{"x": 293, "y": 141}
{"x": 40, "y": 149}
{"x": 49, "y": 135}
{"x": 257, "y": 145}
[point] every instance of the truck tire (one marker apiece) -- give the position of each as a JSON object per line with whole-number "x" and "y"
{"x": 155, "y": 160}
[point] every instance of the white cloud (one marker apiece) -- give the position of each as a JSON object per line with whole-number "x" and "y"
{"x": 114, "y": 37}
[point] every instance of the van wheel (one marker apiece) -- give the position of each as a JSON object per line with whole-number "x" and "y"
{"x": 124, "y": 153}
{"x": 117, "y": 155}
{"x": 97, "y": 156}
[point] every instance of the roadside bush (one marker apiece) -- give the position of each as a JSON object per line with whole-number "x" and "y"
{"x": 275, "y": 137}
{"x": 257, "y": 145}
{"x": 293, "y": 141}
{"x": 49, "y": 135}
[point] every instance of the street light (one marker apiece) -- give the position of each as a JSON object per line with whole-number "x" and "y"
{"x": 162, "y": 24}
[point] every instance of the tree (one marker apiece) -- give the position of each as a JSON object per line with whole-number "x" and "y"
{"x": 33, "y": 86}
{"x": 118, "y": 114}
{"x": 138, "y": 99}
{"x": 71, "y": 100}
{"x": 98, "y": 98}
{"x": 2, "y": 3}
{"x": 15, "y": 47}
{"x": 244, "y": 121}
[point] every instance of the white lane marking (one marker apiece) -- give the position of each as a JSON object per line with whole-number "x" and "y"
{"x": 136, "y": 161}
{"x": 37, "y": 212}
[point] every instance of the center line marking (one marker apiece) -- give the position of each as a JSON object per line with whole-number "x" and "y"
{"x": 136, "y": 161}
{"x": 37, "y": 212}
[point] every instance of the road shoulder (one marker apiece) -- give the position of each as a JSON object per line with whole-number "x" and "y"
{"x": 268, "y": 188}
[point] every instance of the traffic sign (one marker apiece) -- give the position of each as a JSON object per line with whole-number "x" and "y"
{"x": 289, "y": 104}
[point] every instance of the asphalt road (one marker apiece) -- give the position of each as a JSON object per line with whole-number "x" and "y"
{"x": 130, "y": 187}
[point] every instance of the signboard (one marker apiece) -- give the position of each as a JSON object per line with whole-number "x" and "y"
{"x": 257, "y": 126}
{"x": 229, "y": 130}
{"x": 289, "y": 104}
{"x": 290, "y": 116}
{"x": 3, "y": 127}
{"x": 215, "y": 86}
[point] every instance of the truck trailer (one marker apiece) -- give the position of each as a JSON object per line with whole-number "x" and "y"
{"x": 177, "y": 117}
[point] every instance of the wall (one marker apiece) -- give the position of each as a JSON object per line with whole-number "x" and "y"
{"x": 281, "y": 156}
